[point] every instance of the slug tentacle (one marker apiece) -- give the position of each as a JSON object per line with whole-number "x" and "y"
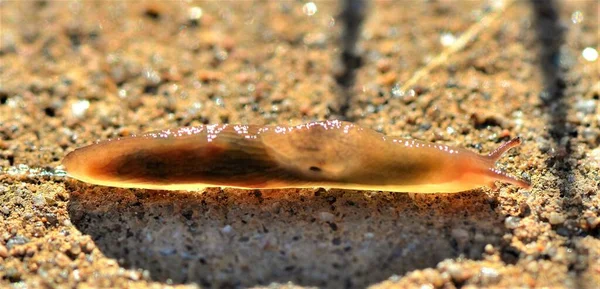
{"x": 500, "y": 175}
{"x": 332, "y": 154}
{"x": 497, "y": 153}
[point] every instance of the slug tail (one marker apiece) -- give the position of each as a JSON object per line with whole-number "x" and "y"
{"x": 499, "y": 175}
{"x": 497, "y": 153}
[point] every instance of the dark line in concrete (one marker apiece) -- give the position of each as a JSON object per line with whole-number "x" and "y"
{"x": 551, "y": 36}
{"x": 352, "y": 17}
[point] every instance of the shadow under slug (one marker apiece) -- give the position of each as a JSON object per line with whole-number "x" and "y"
{"x": 312, "y": 237}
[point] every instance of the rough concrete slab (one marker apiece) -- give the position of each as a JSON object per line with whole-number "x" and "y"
{"x": 75, "y": 72}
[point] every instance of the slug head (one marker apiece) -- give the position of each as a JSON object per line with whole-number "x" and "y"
{"x": 494, "y": 174}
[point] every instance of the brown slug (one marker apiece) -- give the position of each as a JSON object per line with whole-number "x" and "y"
{"x": 332, "y": 154}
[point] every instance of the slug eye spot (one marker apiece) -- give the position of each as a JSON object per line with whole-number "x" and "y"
{"x": 315, "y": 169}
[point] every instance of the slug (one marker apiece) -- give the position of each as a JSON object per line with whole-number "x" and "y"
{"x": 332, "y": 154}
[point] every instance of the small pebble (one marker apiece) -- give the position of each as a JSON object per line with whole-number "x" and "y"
{"x": 586, "y": 106}
{"x": 195, "y": 13}
{"x": 79, "y": 108}
{"x": 89, "y": 247}
{"x": 74, "y": 250}
{"x": 387, "y": 79}
{"x": 3, "y": 251}
{"x": 135, "y": 276}
{"x": 562, "y": 231}
{"x": 594, "y": 157}
{"x": 543, "y": 145}
{"x": 167, "y": 251}
{"x": 326, "y": 216}
{"x": 556, "y": 218}
{"x": 227, "y": 229}
{"x": 457, "y": 273}
{"x": 433, "y": 277}
{"x": 30, "y": 251}
{"x": 17, "y": 251}
{"x": 51, "y": 219}
{"x": 76, "y": 275}
{"x": 511, "y": 222}
{"x": 62, "y": 260}
{"x": 12, "y": 274}
{"x": 461, "y": 236}
{"x": 16, "y": 240}
{"x": 590, "y": 134}
{"x": 33, "y": 267}
{"x": 51, "y": 199}
{"x": 490, "y": 275}
{"x": 593, "y": 222}
{"x": 39, "y": 201}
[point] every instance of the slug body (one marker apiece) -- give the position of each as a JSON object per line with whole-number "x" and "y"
{"x": 332, "y": 154}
